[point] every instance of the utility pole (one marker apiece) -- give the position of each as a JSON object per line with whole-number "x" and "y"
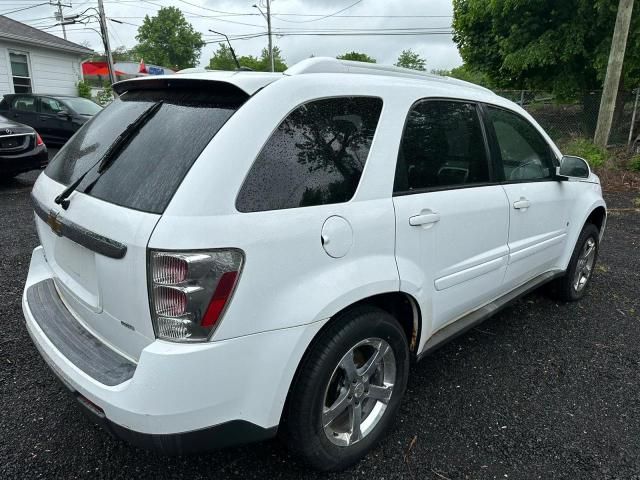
{"x": 64, "y": 30}
{"x": 273, "y": 67}
{"x": 105, "y": 41}
{"x": 59, "y": 17}
{"x": 267, "y": 17}
{"x": 614, "y": 71}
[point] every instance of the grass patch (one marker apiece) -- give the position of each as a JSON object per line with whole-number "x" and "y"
{"x": 634, "y": 163}
{"x": 582, "y": 147}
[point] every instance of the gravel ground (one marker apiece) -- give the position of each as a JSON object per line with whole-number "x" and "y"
{"x": 543, "y": 390}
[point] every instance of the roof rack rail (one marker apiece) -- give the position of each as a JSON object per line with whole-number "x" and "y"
{"x": 334, "y": 65}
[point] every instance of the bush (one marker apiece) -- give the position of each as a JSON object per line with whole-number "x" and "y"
{"x": 105, "y": 96}
{"x": 84, "y": 90}
{"x": 582, "y": 147}
{"x": 634, "y": 163}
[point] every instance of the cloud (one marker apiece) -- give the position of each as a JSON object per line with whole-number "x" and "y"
{"x": 439, "y": 50}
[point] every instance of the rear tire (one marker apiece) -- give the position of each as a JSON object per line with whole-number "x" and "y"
{"x": 573, "y": 285}
{"x": 354, "y": 373}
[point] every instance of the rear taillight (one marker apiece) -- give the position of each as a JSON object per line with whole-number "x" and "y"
{"x": 39, "y": 140}
{"x": 189, "y": 292}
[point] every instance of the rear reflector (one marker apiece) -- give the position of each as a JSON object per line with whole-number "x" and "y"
{"x": 219, "y": 300}
{"x": 39, "y": 140}
{"x": 189, "y": 291}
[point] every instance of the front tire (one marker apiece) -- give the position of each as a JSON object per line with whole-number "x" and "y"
{"x": 348, "y": 389}
{"x": 573, "y": 285}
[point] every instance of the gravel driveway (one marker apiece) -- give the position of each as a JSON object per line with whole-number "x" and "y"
{"x": 543, "y": 390}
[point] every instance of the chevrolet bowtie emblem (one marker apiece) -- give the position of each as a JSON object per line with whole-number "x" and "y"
{"x": 54, "y": 223}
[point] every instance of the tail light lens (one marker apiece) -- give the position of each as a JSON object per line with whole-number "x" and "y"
{"x": 189, "y": 292}
{"x": 39, "y": 140}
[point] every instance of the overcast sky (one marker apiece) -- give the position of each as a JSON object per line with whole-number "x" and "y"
{"x": 220, "y": 15}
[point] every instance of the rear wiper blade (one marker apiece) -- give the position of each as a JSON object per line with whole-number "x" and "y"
{"x": 111, "y": 154}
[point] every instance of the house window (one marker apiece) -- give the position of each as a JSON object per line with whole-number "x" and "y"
{"x": 20, "y": 72}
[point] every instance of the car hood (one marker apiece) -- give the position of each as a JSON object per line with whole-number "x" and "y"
{"x": 13, "y": 127}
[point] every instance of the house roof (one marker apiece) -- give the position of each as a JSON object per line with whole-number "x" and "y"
{"x": 21, "y": 33}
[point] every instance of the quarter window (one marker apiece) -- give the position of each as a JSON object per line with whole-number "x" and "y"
{"x": 24, "y": 104}
{"x": 20, "y": 72}
{"x": 315, "y": 156}
{"x": 525, "y": 154}
{"x": 442, "y": 146}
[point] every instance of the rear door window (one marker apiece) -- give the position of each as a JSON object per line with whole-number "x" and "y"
{"x": 146, "y": 173}
{"x": 315, "y": 156}
{"x": 442, "y": 146}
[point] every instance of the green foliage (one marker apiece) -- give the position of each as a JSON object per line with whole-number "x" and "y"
{"x": 84, "y": 90}
{"x": 634, "y": 163}
{"x": 223, "y": 60}
{"x": 464, "y": 72}
{"x": 119, "y": 54}
{"x": 169, "y": 40}
{"x": 356, "y": 56}
{"x": 585, "y": 148}
{"x": 546, "y": 44}
{"x": 105, "y": 96}
{"x": 410, "y": 59}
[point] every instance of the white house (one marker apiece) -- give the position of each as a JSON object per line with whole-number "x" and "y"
{"x": 35, "y": 61}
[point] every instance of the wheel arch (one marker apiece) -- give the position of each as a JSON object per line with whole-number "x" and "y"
{"x": 597, "y": 217}
{"x": 401, "y": 305}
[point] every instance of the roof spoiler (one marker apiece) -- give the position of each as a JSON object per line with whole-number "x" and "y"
{"x": 174, "y": 82}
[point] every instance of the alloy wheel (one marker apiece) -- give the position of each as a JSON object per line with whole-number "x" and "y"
{"x": 584, "y": 267}
{"x": 359, "y": 391}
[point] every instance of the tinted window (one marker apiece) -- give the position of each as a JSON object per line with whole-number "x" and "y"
{"x": 50, "y": 105}
{"x": 82, "y": 106}
{"x": 24, "y": 104}
{"x": 442, "y": 146}
{"x": 316, "y": 156}
{"x": 525, "y": 154}
{"x": 146, "y": 173}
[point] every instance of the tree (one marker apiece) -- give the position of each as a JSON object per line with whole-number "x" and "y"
{"x": 357, "y": 56}
{"x": 223, "y": 60}
{"x": 558, "y": 46}
{"x": 119, "y": 54}
{"x": 463, "y": 72}
{"x": 410, "y": 59}
{"x": 169, "y": 40}
{"x": 265, "y": 64}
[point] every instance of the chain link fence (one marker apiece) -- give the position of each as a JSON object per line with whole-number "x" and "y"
{"x": 566, "y": 120}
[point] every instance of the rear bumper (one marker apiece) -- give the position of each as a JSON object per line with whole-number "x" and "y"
{"x": 182, "y": 397}
{"x": 24, "y": 162}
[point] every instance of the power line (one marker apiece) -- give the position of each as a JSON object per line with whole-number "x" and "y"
{"x": 24, "y": 8}
{"x": 322, "y": 18}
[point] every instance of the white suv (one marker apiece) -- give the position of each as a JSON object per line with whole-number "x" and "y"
{"x": 230, "y": 255}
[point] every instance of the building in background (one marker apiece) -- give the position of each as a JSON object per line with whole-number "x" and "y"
{"x": 35, "y": 61}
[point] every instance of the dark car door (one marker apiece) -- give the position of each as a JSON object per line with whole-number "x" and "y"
{"x": 55, "y": 124}
{"x": 24, "y": 110}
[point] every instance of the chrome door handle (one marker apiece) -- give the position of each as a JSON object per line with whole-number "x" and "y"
{"x": 424, "y": 219}
{"x": 521, "y": 204}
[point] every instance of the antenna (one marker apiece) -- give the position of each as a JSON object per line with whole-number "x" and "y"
{"x": 233, "y": 54}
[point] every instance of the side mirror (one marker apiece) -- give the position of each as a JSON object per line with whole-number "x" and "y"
{"x": 572, "y": 167}
{"x": 64, "y": 114}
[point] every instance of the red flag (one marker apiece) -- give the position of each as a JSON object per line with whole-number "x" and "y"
{"x": 143, "y": 67}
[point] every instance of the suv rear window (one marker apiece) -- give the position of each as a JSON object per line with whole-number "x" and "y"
{"x": 315, "y": 156}
{"x": 146, "y": 173}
